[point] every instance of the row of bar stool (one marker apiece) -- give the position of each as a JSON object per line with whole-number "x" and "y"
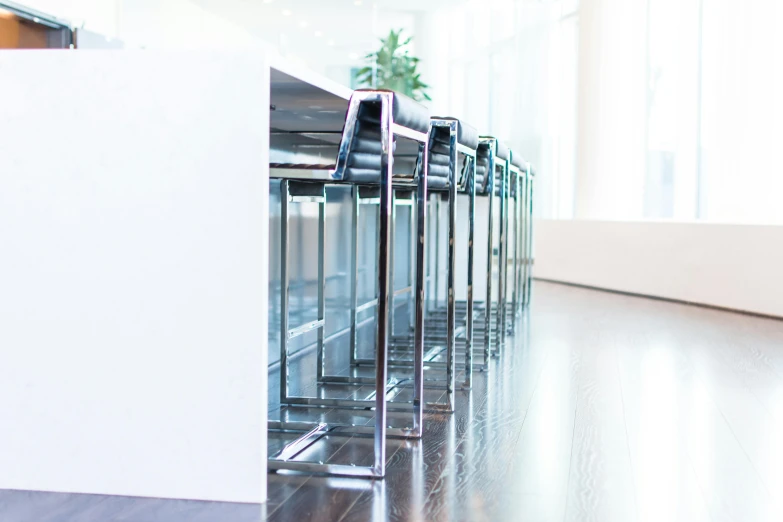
{"x": 392, "y": 154}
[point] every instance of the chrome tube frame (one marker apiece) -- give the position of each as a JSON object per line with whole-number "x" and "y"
{"x": 455, "y": 184}
{"x": 500, "y": 316}
{"x": 515, "y": 175}
{"x": 523, "y": 239}
{"x": 312, "y": 432}
{"x": 529, "y": 258}
{"x": 493, "y": 182}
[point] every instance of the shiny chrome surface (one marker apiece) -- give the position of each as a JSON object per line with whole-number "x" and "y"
{"x": 469, "y": 313}
{"x": 529, "y": 258}
{"x": 490, "y": 182}
{"x": 303, "y": 147}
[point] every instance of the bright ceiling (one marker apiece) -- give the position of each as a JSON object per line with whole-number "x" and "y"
{"x": 324, "y": 33}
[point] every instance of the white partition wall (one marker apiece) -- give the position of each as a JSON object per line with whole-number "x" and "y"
{"x": 133, "y": 273}
{"x": 729, "y": 266}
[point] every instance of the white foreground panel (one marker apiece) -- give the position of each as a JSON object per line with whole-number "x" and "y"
{"x": 133, "y": 273}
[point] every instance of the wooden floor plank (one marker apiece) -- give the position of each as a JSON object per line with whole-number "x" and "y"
{"x": 604, "y": 407}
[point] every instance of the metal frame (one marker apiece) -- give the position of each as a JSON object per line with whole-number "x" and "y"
{"x": 528, "y": 240}
{"x": 462, "y": 184}
{"x": 465, "y": 185}
{"x": 489, "y": 311}
{"x": 515, "y": 174}
{"x": 312, "y": 432}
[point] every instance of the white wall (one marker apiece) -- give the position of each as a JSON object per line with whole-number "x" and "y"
{"x": 730, "y": 266}
{"x": 134, "y": 233}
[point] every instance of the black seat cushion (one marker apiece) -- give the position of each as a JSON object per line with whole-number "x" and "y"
{"x": 482, "y": 167}
{"x": 467, "y": 135}
{"x": 364, "y": 158}
{"x": 502, "y": 154}
{"x": 440, "y": 139}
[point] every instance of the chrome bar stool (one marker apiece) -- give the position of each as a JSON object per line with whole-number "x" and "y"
{"x": 375, "y": 122}
{"x": 516, "y": 169}
{"x": 451, "y": 170}
{"x": 492, "y": 165}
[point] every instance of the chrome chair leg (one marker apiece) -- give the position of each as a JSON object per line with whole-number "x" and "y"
{"x": 284, "y": 276}
{"x": 451, "y": 342}
{"x": 384, "y": 265}
{"x": 515, "y": 251}
{"x": 469, "y": 304}
{"x": 490, "y": 255}
{"x": 530, "y": 258}
{"x": 354, "y": 283}
{"x": 321, "y": 289}
{"x": 419, "y": 299}
{"x": 500, "y": 317}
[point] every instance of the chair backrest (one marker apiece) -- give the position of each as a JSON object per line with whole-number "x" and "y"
{"x": 465, "y": 140}
{"x": 361, "y": 147}
{"x": 516, "y": 167}
{"x": 491, "y": 153}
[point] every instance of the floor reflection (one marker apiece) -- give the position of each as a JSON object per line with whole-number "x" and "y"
{"x": 603, "y": 407}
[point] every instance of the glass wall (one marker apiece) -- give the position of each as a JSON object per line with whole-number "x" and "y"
{"x": 741, "y": 178}
{"x": 630, "y": 109}
{"x": 709, "y": 117}
{"x": 512, "y": 70}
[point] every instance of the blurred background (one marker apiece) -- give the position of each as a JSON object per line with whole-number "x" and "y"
{"x": 630, "y": 109}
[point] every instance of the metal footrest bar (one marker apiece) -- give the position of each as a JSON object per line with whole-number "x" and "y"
{"x": 338, "y": 429}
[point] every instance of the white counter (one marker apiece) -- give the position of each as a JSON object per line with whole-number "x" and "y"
{"x": 133, "y": 273}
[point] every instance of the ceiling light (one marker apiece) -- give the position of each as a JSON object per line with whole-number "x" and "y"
{"x": 303, "y": 24}
{"x": 318, "y": 34}
{"x": 354, "y": 56}
{"x": 330, "y": 43}
{"x": 287, "y": 12}
{"x": 357, "y": 2}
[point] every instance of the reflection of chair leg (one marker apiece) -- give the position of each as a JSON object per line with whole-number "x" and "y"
{"x": 291, "y": 191}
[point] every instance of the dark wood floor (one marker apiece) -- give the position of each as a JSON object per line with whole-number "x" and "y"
{"x": 606, "y": 408}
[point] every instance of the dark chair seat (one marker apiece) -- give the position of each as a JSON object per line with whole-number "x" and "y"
{"x": 363, "y": 162}
{"x": 440, "y": 136}
{"x": 502, "y": 154}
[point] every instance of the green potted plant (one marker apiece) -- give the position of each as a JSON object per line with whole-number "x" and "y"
{"x": 392, "y": 67}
